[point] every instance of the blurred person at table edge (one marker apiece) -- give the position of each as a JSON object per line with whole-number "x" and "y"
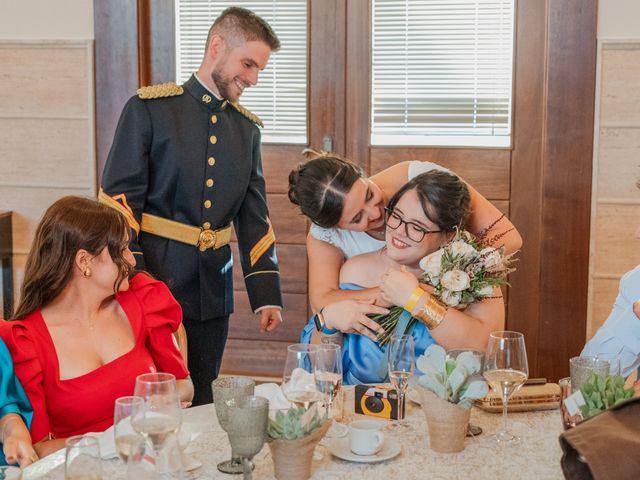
{"x": 83, "y": 331}
{"x": 185, "y": 163}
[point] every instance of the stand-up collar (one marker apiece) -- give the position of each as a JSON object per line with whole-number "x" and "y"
{"x": 202, "y": 94}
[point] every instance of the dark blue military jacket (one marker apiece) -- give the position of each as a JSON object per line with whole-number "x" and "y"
{"x": 193, "y": 159}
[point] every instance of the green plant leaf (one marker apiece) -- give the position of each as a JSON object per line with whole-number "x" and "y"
{"x": 476, "y": 390}
{"x": 470, "y": 361}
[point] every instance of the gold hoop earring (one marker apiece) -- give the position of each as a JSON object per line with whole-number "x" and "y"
{"x": 86, "y": 273}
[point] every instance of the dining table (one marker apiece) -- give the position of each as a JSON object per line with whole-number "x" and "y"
{"x": 537, "y": 456}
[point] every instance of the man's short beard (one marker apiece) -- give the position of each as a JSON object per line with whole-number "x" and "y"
{"x": 221, "y": 83}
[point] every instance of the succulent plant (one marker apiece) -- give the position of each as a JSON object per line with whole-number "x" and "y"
{"x": 451, "y": 380}
{"x": 289, "y": 425}
{"x": 601, "y": 393}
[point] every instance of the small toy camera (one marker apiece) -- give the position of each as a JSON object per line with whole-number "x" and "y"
{"x": 376, "y": 401}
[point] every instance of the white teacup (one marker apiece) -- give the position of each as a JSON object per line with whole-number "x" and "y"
{"x": 366, "y": 437}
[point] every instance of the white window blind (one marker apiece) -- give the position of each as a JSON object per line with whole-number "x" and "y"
{"x": 280, "y": 97}
{"x": 442, "y": 72}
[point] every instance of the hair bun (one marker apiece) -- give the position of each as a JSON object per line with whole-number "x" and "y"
{"x": 294, "y": 178}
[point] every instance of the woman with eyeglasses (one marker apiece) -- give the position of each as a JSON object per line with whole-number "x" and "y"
{"x": 347, "y": 213}
{"x": 420, "y": 218}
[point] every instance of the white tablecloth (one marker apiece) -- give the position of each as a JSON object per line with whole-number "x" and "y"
{"x": 537, "y": 456}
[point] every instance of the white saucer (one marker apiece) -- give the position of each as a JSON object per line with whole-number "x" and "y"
{"x": 340, "y": 448}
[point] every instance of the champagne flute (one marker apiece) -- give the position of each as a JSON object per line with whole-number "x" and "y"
{"x": 506, "y": 370}
{"x": 401, "y": 364}
{"x": 298, "y": 380}
{"x": 125, "y": 436}
{"x": 160, "y": 418}
{"x": 328, "y": 374}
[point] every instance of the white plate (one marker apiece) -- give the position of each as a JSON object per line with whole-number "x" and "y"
{"x": 340, "y": 448}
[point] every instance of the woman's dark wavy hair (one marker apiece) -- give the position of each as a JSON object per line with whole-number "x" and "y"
{"x": 444, "y": 197}
{"x": 70, "y": 224}
{"x": 319, "y": 186}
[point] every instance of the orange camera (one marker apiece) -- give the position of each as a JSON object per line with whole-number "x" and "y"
{"x": 376, "y": 401}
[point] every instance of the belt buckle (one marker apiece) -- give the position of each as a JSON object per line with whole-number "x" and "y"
{"x": 207, "y": 239}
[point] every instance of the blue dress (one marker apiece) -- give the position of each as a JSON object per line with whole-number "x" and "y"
{"x": 12, "y": 396}
{"x": 363, "y": 361}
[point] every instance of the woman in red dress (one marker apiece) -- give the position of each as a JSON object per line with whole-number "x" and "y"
{"x": 83, "y": 331}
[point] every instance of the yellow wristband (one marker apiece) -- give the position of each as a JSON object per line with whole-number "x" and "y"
{"x": 413, "y": 299}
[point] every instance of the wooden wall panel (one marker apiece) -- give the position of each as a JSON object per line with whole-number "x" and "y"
{"x": 567, "y": 166}
{"x": 45, "y": 79}
{"x": 256, "y": 358}
{"x": 59, "y": 157}
{"x": 620, "y": 84}
{"x": 616, "y": 248}
{"x": 246, "y": 325}
{"x": 487, "y": 170}
{"x": 278, "y": 161}
{"x": 618, "y": 163}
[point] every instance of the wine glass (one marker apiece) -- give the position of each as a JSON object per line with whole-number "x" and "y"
{"x": 400, "y": 353}
{"x": 328, "y": 375}
{"x": 160, "y": 418}
{"x": 298, "y": 379}
{"x": 225, "y": 389}
{"x": 506, "y": 370}
{"x": 125, "y": 436}
{"x": 247, "y": 428}
{"x": 472, "y": 430}
{"x": 82, "y": 458}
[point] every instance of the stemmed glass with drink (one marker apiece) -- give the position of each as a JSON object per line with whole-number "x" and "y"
{"x": 328, "y": 375}
{"x": 298, "y": 377}
{"x": 125, "y": 436}
{"x": 506, "y": 370}
{"x": 400, "y": 358}
{"x": 160, "y": 418}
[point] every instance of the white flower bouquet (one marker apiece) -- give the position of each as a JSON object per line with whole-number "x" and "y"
{"x": 463, "y": 272}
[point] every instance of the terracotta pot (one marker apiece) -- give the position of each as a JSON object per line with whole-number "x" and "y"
{"x": 447, "y": 423}
{"x": 292, "y": 458}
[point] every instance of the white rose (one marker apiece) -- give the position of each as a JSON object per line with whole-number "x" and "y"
{"x": 485, "y": 291}
{"x": 492, "y": 258}
{"x": 455, "y": 280}
{"x": 432, "y": 264}
{"x": 451, "y": 298}
{"x": 462, "y": 249}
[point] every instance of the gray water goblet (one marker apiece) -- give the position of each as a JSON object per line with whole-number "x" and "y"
{"x": 247, "y": 428}
{"x": 224, "y": 389}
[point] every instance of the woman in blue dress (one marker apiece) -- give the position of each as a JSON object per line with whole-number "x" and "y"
{"x": 420, "y": 218}
{"x": 15, "y": 416}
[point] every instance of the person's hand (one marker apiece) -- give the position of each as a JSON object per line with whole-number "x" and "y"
{"x": 397, "y": 286}
{"x": 270, "y": 319}
{"x": 636, "y": 387}
{"x": 350, "y": 316}
{"x": 19, "y": 450}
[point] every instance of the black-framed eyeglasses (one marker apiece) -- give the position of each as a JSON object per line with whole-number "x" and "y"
{"x": 414, "y": 231}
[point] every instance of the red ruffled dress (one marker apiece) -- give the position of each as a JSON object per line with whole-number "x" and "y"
{"x": 85, "y": 403}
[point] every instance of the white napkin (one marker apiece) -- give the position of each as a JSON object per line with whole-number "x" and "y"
{"x": 273, "y": 393}
{"x": 186, "y": 435}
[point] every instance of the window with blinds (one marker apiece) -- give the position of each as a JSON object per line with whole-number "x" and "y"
{"x": 442, "y": 72}
{"x": 280, "y": 97}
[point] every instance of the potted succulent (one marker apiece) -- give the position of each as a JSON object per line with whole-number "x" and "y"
{"x": 292, "y": 439}
{"x": 601, "y": 393}
{"x": 447, "y": 390}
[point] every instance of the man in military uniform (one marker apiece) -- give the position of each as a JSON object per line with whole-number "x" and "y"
{"x": 185, "y": 163}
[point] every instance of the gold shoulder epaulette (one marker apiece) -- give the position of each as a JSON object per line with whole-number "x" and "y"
{"x": 159, "y": 91}
{"x": 251, "y": 116}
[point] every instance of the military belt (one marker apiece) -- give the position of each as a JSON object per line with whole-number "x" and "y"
{"x": 203, "y": 238}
